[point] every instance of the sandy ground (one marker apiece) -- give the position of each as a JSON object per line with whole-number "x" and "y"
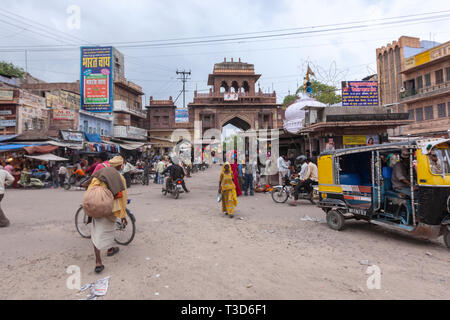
{"x": 186, "y": 249}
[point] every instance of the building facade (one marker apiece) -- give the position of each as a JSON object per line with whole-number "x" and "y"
{"x": 426, "y": 92}
{"x": 390, "y": 64}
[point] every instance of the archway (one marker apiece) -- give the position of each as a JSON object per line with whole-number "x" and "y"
{"x": 233, "y": 145}
{"x": 224, "y": 87}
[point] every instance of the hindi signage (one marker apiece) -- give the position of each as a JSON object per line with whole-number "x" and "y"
{"x": 6, "y": 94}
{"x": 359, "y": 93}
{"x": 63, "y": 114}
{"x": 181, "y": 116}
{"x": 96, "y": 79}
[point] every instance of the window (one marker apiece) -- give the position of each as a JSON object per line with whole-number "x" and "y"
{"x": 441, "y": 110}
{"x": 419, "y": 114}
{"x": 411, "y": 114}
{"x": 85, "y": 124}
{"x": 439, "y": 75}
{"x": 165, "y": 120}
{"x": 448, "y": 108}
{"x": 429, "y": 113}
{"x": 156, "y": 119}
{"x": 427, "y": 80}
{"x": 419, "y": 82}
{"x": 447, "y": 71}
{"x": 266, "y": 118}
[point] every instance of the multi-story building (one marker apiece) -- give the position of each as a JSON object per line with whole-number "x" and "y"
{"x": 390, "y": 63}
{"x": 426, "y": 92}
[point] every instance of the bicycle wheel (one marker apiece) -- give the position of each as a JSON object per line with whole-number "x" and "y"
{"x": 124, "y": 234}
{"x": 81, "y": 223}
{"x": 279, "y": 195}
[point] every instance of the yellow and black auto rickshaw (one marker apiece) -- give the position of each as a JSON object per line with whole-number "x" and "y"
{"x": 411, "y": 194}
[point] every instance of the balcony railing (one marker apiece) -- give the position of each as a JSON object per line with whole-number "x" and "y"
{"x": 121, "y": 105}
{"x": 412, "y": 94}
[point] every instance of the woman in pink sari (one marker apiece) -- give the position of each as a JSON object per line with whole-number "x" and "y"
{"x": 234, "y": 168}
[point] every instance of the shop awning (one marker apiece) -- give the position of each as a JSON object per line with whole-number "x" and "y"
{"x": 8, "y": 147}
{"x": 131, "y": 146}
{"x": 76, "y": 146}
{"x": 47, "y": 157}
{"x": 7, "y": 137}
{"x": 93, "y": 137}
{"x": 40, "y": 149}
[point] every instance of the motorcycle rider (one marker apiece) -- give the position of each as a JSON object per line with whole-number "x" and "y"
{"x": 175, "y": 172}
{"x": 310, "y": 176}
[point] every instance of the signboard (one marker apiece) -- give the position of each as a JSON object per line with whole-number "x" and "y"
{"x": 361, "y": 140}
{"x": 354, "y": 140}
{"x": 427, "y": 56}
{"x": 7, "y": 123}
{"x": 72, "y": 136}
{"x": 5, "y": 112}
{"x": 230, "y": 96}
{"x": 181, "y": 116}
{"x": 63, "y": 114}
{"x": 359, "y": 93}
{"x": 6, "y": 94}
{"x": 96, "y": 79}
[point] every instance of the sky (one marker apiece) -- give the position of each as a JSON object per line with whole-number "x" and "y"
{"x": 334, "y": 56}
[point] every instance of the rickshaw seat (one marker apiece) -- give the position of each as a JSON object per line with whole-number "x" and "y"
{"x": 387, "y": 185}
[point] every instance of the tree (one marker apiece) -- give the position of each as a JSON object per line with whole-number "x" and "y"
{"x": 323, "y": 92}
{"x": 10, "y": 70}
{"x": 288, "y": 100}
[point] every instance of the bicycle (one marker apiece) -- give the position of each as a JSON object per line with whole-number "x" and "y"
{"x": 123, "y": 234}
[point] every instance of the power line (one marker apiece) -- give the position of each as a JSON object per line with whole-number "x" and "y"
{"x": 167, "y": 44}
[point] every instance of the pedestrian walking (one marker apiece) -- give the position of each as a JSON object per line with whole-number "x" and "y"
{"x": 249, "y": 172}
{"x": 62, "y": 173}
{"x": 159, "y": 171}
{"x": 227, "y": 188}
{"x": 234, "y": 170}
{"x": 102, "y": 229}
{"x": 5, "y": 179}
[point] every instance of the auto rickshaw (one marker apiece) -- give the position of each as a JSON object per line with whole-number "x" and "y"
{"x": 356, "y": 183}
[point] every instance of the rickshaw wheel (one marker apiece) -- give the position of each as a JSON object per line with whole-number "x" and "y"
{"x": 447, "y": 237}
{"x": 335, "y": 220}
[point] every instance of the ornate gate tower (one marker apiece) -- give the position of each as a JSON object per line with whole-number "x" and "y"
{"x": 233, "y": 99}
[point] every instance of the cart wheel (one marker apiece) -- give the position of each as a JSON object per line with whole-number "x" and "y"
{"x": 335, "y": 220}
{"x": 447, "y": 237}
{"x": 164, "y": 192}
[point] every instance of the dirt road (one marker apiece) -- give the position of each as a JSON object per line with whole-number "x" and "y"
{"x": 186, "y": 249}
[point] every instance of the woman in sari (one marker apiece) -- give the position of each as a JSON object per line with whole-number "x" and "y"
{"x": 234, "y": 168}
{"x": 228, "y": 190}
{"x": 102, "y": 229}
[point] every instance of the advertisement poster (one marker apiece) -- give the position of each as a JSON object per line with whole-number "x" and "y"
{"x": 371, "y": 140}
{"x": 359, "y": 93}
{"x": 181, "y": 115}
{"x": 96, "y": 79}
{"x": 330, "y": 145}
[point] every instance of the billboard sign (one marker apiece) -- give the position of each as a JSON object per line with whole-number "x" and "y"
{"x": 96, "y": 79}
{"x": 359, "y": 93}
{"x": 181, "y": 115}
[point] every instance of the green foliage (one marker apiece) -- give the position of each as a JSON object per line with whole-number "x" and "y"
{"x": 289, "y": 99}
{"x": 10, "y": 70}
{"x": 323, "y": 92}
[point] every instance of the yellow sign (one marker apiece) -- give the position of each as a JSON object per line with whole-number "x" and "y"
{"x": 427, "y": 56}
{"x": 354, "y": 140}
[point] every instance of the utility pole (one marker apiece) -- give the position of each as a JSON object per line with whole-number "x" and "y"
{"x": 184, "y": 78}
{"x": 26, "y": 61}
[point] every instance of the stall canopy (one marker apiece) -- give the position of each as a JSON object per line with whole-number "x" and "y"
{"x": 47, "y": 157}
{"x": 131, "y": 146}
{"x": 40, "y": 149}
{"x": 93, "y": 137}
{"x": 8, "y": 147}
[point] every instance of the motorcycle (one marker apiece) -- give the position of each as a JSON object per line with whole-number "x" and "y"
{"x": 27, "y": 181}
{"x": 281, "y": 193}
{"x": 76, "y": 180}
{"x": 175, "y": 188}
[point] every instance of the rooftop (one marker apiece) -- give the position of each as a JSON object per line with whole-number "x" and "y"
{"x": 232, "y": 66}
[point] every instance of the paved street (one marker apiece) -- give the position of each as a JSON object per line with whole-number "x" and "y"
{"x": 186, "y": 249}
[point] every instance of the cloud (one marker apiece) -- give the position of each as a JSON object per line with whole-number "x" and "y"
{"x": 281, "y": 61}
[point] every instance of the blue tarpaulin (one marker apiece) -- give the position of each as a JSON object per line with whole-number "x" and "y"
{"x": 7, "y": 147}
{"x": 93, "y": 137}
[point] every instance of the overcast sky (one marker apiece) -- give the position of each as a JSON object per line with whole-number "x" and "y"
{"x": 341, "y": 55}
